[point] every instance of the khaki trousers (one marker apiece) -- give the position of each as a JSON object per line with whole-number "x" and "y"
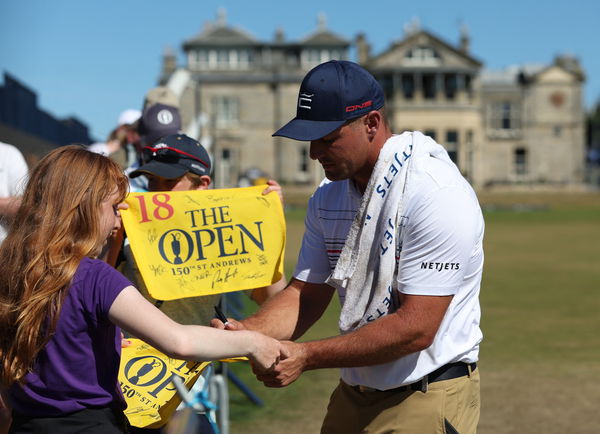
{"x": 448, "y": 407}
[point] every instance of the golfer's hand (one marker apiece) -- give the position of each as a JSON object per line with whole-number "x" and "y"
{"x": 266, "y": 352}
{"x": 231, "y": 324}
{"x": 289, "y": 368}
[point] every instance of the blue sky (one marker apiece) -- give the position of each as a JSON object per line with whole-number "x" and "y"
{"x": 93, "y": 59}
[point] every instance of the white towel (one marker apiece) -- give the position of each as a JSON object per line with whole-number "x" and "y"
{"x": 367, "y": 264}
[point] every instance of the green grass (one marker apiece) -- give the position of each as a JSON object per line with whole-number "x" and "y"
{"x": 540, "y": 298}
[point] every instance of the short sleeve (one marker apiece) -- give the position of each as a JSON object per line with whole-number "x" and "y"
{"x": 441, "y": 235}
{"x": 100, "y": 287}
{"x": 313, "y": 263}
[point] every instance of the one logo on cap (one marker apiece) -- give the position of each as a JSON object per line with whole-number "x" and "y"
{"x": 365, "y": 104}
{"x": 165, "y": 117}
{"x": 305, "y": 99}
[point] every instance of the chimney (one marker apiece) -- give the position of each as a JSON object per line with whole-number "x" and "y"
{"x": 279, "y": 36}
{"x": 169, "y": 64}
{"x": 363, "y": 49}
{"x": 465, "y": 40}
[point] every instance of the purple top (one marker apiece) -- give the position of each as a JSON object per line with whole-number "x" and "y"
{"x": 78, "y": 368}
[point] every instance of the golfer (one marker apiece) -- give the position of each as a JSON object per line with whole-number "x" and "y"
{"x": 397, "y": 232}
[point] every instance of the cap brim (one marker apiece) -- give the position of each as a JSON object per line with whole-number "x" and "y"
{"x": 307, "y": 130}
{"x": 158, "y": 168}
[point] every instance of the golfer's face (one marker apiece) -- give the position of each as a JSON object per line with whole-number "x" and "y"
{"x": 342, "y": 153}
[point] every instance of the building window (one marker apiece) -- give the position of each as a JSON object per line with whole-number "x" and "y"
{"x": 429, "y": 86}
{"x": 469, "y": 138}
{"x": 226, "y": 110}
{"x": 387, "y": 84}
{"x": 422, "y": 55}
{"x": 408, "y": 86}
{"x": 221, "y": 59}
{"x": 450, "y": 85}
{"x": 312, "y": 57}
{"x": 521, "y": 161}
{"x": 557, "y": 130}
{"x": 430, "y": 133}
{"x": 468, "y": 82}
{"x": 505, "y": 118}
{"x": 224, "y": 164}
{"x": 452, "y": 145}
{"x": 304, "y": 158}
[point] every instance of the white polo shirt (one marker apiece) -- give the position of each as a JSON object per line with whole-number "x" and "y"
{"x": 440, "y": 254}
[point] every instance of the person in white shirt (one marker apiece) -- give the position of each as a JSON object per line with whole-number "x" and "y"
{"x": 397, "y": 232}
{"x": 13, "y": 177}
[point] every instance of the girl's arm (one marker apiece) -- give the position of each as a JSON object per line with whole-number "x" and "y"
{"x": 132, "y": 312}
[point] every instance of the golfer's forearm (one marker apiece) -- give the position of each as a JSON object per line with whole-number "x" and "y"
{"x": 277, "y": 317}
{"x": 292, "y": 311}
{"x": 379, "y": 342}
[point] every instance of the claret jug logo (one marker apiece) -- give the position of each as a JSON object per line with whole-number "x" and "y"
{"x": 146, "y": 379}
{"x": 147, "y": 371}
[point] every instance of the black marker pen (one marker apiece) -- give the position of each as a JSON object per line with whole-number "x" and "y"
{"x": 220, "y": 315}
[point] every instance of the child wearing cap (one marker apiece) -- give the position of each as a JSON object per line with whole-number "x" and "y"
{"x": 179, "y": 163}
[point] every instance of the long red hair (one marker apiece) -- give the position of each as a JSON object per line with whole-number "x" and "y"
{"x": 57, "y": 225}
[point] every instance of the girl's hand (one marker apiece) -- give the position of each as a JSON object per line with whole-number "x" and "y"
{"x": 124, "y": 342}
{"x": 266, "y": 352}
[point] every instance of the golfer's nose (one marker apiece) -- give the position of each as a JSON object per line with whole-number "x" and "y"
{"x": 316, "y": 149}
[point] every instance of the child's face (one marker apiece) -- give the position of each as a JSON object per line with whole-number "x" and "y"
{"x": 110, "y": 217}
{"x": 158, "y": 183}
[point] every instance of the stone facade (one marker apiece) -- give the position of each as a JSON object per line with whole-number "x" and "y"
{"x": 520, "y": 126}
{"x": 235, "y": 91}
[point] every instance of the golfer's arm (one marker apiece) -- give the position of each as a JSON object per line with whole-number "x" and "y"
{"x": 291, "y": 311}
{"x": 410, "y": 329}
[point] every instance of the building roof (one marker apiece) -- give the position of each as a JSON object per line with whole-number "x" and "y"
{"x": 324, "y": 37}
{"x": 416, "y": 37}
{"x": 510, "y": 74}
{"x": 221, "y": 34}
{"x": 515, "y": 74}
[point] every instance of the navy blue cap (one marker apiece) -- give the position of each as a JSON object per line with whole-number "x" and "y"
{"x": 331, "y": 94}
{"x": 173, "y": 156}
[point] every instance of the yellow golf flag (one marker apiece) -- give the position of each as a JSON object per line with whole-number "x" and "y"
{"x": 193, "y": 243}
{"x": 145, "y": 377}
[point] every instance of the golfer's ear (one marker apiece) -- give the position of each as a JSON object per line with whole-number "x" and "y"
{"x": 373, "y": 121}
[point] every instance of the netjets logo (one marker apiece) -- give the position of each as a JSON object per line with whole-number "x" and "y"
{"x": 439, "y": 266}
{"x": 304, "y": 100}
{"x": 165, "y": 117}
